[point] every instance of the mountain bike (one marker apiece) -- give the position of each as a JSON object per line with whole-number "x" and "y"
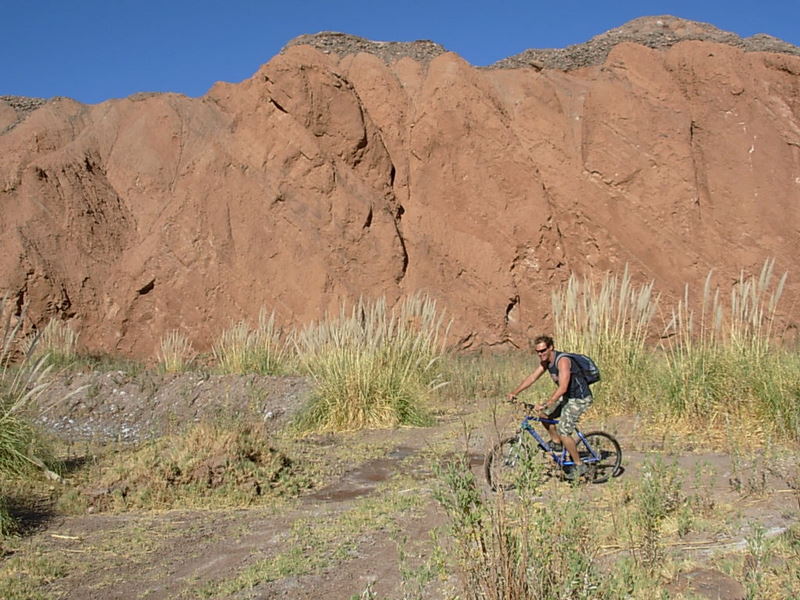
{"x": 598, "y": 450}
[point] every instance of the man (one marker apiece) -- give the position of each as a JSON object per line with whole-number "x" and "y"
{"x": 567, "y": 403}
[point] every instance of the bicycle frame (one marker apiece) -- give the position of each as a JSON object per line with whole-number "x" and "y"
{"x": 562, "y": 459}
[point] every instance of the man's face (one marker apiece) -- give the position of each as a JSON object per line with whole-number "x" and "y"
{"x": 544, "y": 352}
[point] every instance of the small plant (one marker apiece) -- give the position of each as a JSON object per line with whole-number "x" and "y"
{"x": 658, "y": 495}
{"x": 241, "y": 349}
{"x": 58, "y": 341}
{"x": 525, "y": 549}
{"x": 758, "y": 553}
{"x": 175, "y": 354}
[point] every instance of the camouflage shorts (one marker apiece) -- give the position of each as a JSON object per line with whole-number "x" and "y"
{"x": 568, "y": 412}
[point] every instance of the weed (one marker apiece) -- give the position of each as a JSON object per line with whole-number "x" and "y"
{"x": 416, "y": 572}
{"x": 175, "y": 353}
{"x": 262, "y": 350}
{"x": 757, "y": 554}
{"x": 749, "y": 474}
{"x": 319, "y": 542}
{"x": 25, "y": 577}
{"x": 657, "y": 496}
{"x": 209, "y": 464}
{"x": 526, "y": 549}
{"x": 58, "y": 342}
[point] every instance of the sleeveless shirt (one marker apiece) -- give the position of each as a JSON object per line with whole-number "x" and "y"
{"x": 578, "y": 388}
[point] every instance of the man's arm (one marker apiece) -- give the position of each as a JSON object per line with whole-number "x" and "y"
{"x": 527, "y": 382}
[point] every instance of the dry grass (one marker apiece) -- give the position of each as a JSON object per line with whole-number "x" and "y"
{"x": 717, "y": 360}
{"x": 58, "y": 341}
{"x": 609, "y": 322}
{"x": 242, "y": 349}
{"x": 220, "y": 464}
{"x": 372, "y": 366}
{"x": 176, "y": 354}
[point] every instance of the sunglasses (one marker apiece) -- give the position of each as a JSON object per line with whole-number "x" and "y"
{"x": 541, "y": 350}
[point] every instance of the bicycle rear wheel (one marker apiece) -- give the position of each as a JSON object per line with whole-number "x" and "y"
{"x": 503, "y": 463}
{"x": 603, "y": 456}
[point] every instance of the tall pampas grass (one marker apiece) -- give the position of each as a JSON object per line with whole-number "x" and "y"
{"x": 373, "y": 366}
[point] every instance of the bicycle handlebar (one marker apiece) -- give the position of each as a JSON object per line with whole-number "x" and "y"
{"x": 528, "y": 407}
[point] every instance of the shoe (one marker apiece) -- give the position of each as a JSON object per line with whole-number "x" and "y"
{"x": 577, "y": 471}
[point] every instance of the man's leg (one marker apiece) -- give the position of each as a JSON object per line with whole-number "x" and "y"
{"x": 553, "y": 413}
{"x": 572, "y": 448}
{"x": 572, "y": 411}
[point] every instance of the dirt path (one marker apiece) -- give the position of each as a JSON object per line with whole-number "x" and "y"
{"x": 368, "y": 527}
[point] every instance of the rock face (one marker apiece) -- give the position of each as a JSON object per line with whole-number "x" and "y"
{"x": 345, "y": 167}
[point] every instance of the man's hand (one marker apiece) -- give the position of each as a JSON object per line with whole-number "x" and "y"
{"x": 539, "y": 407}
{"x": 512, "y": 398}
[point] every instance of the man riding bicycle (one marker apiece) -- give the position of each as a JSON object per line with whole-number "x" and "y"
{"x": 567, "y": 403}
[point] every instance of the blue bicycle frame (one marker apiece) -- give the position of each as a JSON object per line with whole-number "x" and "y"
{"x": 563, "y": 459}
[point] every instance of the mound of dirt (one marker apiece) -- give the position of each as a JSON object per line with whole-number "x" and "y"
{"x": 117, "y": 406}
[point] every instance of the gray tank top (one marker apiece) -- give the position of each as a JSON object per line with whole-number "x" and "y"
{"x": 578, "y": 388}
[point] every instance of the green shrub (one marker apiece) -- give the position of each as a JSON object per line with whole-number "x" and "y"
{"x": 23, "y": 378}
{"x": 373, "y": 367}
{"x": 519, "y": 547}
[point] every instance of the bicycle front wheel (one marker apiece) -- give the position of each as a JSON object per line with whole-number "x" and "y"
{"x": 602, "y": 454}
{"x": 503, "y": 463}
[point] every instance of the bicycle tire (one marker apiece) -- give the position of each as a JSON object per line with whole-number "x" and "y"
{"x": 609, "y": 452}
{"x": 501, "y": 463}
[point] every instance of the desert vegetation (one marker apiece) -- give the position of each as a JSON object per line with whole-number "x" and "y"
{"x": 710, "y": 372}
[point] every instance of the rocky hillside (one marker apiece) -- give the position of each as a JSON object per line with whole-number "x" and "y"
{"x": 347, "y": 167}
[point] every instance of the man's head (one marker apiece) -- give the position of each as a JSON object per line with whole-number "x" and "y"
{"x": 543, "y": 345}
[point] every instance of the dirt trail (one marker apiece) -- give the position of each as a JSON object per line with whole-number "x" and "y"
{"x": 345, "y": 535}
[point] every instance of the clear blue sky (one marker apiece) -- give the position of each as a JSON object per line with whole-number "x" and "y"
{"x": 92, "y": 50}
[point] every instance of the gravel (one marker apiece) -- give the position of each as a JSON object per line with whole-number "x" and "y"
{"x": 344, "y": 44}
{"x": 654, "y": 32}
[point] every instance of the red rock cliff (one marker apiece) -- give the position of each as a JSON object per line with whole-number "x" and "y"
{"x": 345, "y": 167}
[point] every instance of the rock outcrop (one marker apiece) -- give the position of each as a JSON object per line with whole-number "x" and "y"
{"x": 345, "y": 167}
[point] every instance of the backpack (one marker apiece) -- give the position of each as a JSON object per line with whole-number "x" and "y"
{"x": 586, "y": 366}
